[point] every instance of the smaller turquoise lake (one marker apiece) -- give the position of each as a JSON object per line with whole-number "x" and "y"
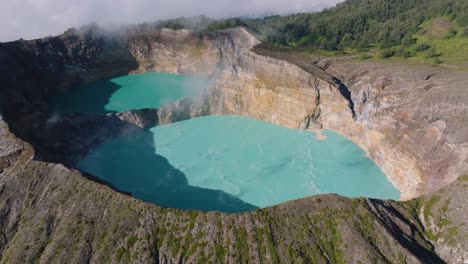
{"x": 215, "y": 163}
{"x": 136, "y": 91}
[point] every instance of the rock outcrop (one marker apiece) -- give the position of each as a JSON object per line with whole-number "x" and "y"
{"x": 413, "y": 121}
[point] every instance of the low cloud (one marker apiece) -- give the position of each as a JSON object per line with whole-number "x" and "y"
{"x": 38, "y": 18}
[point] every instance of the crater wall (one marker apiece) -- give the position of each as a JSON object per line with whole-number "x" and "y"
{"x": 47, "y": 207}
{"x": 409, "y": 118}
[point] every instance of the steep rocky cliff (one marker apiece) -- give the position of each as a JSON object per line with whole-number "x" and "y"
{"x": 418, "y": 116}
{"x": 52, "y": 213}
{"x": 409, "y": 118}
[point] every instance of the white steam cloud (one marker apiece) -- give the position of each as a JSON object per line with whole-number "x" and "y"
{"x": 38, "y": 18}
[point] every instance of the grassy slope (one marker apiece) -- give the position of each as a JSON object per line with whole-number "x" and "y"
{"x": 446, "y": 51}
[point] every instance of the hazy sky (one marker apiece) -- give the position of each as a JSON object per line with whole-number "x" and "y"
{"x": 38, "y": 18}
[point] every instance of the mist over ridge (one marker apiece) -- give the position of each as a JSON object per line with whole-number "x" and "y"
{"x": 30, "y": 19}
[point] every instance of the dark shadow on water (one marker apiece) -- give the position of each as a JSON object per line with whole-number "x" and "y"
{"x": 89, "y": 99}
{"x": 130, "y": 164}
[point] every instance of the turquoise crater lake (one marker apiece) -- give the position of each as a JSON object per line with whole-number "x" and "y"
{"x": 136, "y": 91}
{"x": 234, "y": 164}
{"x": 221, "y": 163}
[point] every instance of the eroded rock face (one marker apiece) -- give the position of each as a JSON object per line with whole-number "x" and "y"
{"x": 172, "y": 51}
{"x": 266, "y": 89}
{"x": 409, "y": 118}
{"x": 11, "y": 148}
{"x": 413, "y": 121}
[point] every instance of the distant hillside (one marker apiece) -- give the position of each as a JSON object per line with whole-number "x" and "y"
{"x": 405, "y": 28}
{"x": 359, "y": 23}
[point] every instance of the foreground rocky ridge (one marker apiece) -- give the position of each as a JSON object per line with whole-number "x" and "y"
{"x": 244, "y": 82}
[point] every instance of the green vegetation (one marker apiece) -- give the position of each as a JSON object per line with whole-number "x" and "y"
{"x": 359, "y": 23}
{"x": 463, "y": 178}
{"x": 431, "y": 31}
{"x": 242, "y": 246}
{"x": 228, "y": 23}
{"x": 429, "y": 204}
{"x": 437, "y": 222}
{"x": 119, "y": 253}
{"x": 195, "y": 22}
{"x": 131, "y": 241}
{"x": 220, "y": 252}
{"x": 422, "y": 30}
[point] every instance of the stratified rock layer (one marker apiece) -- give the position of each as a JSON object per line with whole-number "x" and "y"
{"x": 417, "y": 116}
{"x": 411, "y": 119}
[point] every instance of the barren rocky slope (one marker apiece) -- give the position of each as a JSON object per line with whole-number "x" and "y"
{"x": 51, "y": 213}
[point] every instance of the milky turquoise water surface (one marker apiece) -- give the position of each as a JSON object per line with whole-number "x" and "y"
{"x": 222, "y": 163}
{"x": 137, "y": 91}
{"x": 234, "y": 164}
